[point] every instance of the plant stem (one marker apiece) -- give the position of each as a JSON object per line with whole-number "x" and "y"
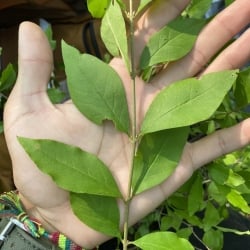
{"x": 134, "y": 121}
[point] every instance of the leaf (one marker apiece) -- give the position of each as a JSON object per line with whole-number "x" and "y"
{"x": 213, "y": 239}
{"x": 172, "y": 42}
{"x": 187, "y": 102}
{"x": 95, "y": 88}
{"x": 195, "y": 196}
{"x": 70, "y": 167}
{"x": 113, "y": 32}
{"x": 218, "y": 173}
{"x": 237, "y": 200}
{"x": 56, "y": 95}
{"x": 242, "y": 89}
{"x": 212, "y": 217}
{"x": 142, "y": 5}
{"x": 157, "y": 157}
{"x": 98, "y": 212}
{"x": 198, "y": 8}
{"x": 163, "y": 241}
{"x": 8, "y": 78}
{"x": 97, "y": 8}
{"x": 234, "y": 179}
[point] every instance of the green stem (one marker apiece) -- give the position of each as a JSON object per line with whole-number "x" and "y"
{"x": 133, "y": 132}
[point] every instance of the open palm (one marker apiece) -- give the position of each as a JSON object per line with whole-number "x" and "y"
{"x": 29, "y": 113}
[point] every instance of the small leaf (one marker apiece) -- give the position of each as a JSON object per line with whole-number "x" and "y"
{"x": 188, "y": 101}
{"x": 212, "y": 217}
{"x": 213, "y": 239}
{"x": 195, "y": 196}
{"x": 56, "y": 95}
{"x": 242, "y": 89}
{"x": 172, "y": 42}
{"x": 198, "y": 8}
{"x": 70, "y": 167}
{"x": 97, "y": 8}
{"x": 234, "y": 179}
{"x": 98, "y": 212}
{"x": 95, "y": 88}
{"x": 163, "y": 241}
{"x": 218, "y": 173}
{"x": 8, "y": 78}
{"x": 142, "y": 5}
{"x": 237, "y": 200}
{"x": 157, "y": 157}
{"x": 113, "y": 32}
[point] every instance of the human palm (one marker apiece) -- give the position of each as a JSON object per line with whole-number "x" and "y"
{"x": 29, "y": 113}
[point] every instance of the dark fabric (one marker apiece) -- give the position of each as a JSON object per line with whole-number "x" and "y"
{"x": 18, "y": 239}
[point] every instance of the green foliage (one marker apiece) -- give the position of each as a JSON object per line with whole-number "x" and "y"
{"x": 188, "y": 108}
{"x": 8, "y": 78}
{"x": 197, "y": 8}
{"x": 97, "y": 8}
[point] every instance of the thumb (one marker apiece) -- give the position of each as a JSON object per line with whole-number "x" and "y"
{"x": 35, "y": 61}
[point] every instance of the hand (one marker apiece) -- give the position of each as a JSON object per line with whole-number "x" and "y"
{"x": 29, "y": 113}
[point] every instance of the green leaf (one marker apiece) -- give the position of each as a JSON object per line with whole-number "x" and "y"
{"x": 56, "y": 95}
{"x": 213, "y": 239}
{"x": 218, "y": 173}
{"x": 172, "y": 42}
{"x": 188, "y": 101}
{"x": 234, "y": 179}
{"x": 218, "y": 192}
{"x": 198, "y": 8}
{"x": 49, "y": 33}
{"x": 142, "y": 5}
{"x": 98, "y": 212}
{"x": 113, "y": 32}
{"x": 8, "y": 78}
{"x": 97, "y": 8}
{"x": 95, "y": 88}
{"x": 237, "y": 200}
{"x": 195, "y": 196}
{"x": 70, "y": 167}
{"x": 157, "y": 157}
{"x": 212, "y": 217}
{"x": 163, "y": 241}
{"x": 242, "y": 88}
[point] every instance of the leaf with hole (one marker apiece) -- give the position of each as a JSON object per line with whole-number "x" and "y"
{"x": 95, "y": 88}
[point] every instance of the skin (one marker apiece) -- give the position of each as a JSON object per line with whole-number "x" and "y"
{"x": 29, "y": 113}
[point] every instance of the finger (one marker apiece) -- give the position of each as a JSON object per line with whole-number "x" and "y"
{"x": 156, "y": 17}
{"x": 34, "y": 64}
{"x": 211, "y": 39}
{"x": 219, "y": 143}
{"x": 233, "y": 57}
